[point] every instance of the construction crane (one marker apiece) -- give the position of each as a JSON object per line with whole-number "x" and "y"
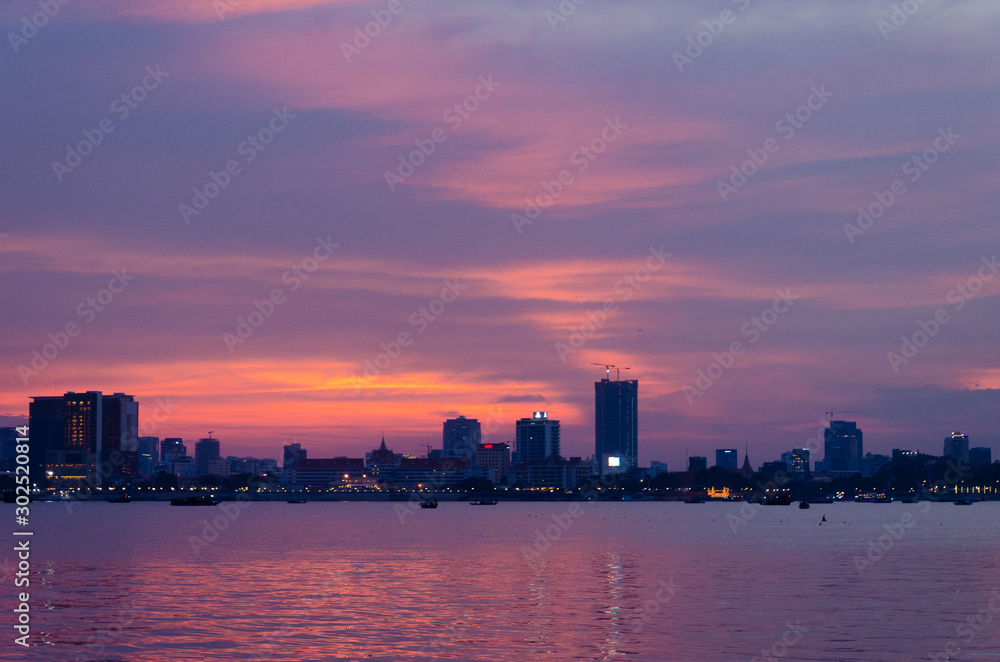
{"x": 210, "y": 433}
{"x": 850, "y": 411}
{"x": 608, "y": 366}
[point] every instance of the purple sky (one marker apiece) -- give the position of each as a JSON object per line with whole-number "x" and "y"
{"x": 627, "y": 134}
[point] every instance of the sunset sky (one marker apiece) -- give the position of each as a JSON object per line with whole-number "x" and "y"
{"x": 171, "y": 168}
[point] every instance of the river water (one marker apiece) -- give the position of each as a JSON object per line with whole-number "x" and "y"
{"x": 517, "y": 581}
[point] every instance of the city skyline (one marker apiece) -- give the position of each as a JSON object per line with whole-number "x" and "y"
{"x": 318, "y": 240}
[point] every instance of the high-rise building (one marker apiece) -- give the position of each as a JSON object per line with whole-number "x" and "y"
{"x": 957, "y": 446}
{"x": 149, "y": 455}
{"x": 294, "y": 452}
{"x": 843, "y": 448}
{"x": 797, "y": 461}
{"x": 727, "y": 458}
{"x": 8, "y": 448}
{"x": 537, "y": 438}
{"x": 495, "y": 458}
{"x": 616, "y": 425}
{"x": 697, "y": 463}
{"x": 980, "y": 456}
{"x": 172, "y": 448}
{"x": 205, "y": 450}
{"x": 461, "y": 437}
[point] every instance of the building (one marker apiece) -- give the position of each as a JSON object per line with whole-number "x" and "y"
{"x": 980, "y": 457}
{"x": 220, "y": 466}
{"x": 797, "y": 461}
{"x": 616, "y": 425}
{"x": 536, "y": 438}
{"x": 82, "y": 438}
{"x": 460, "y": 437}
{"x": 727, "y": 458}
{"x": 843, "y": 448}
{"x": 172, "y": 447}
{"x": 381, "y": 463}
{"x": 872, "y": 464}
{"x": 292, "y": 453}
{"x": 656, "y": 468}
{"x": 697, "y": 463}
{"x": 769, "y": 469}
{"x": 495, "y": 458}
{"x": 957, "y": 446}
{"x": 746, "y": 470}
{"x": 327, "y": 472}
{"x": 555, "y": 473}
{"x": 205, "y": 450}
{"x": 149, "y": 455}
{"x": 8, "y": 448}
{"x": 900, "y": 453}
{"x": 431, "y": 473}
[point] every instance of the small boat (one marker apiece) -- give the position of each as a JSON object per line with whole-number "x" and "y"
{"x": 696, "y": 499}
{"x": 297, "y": 501}
{"x": 964, "y": 502}
{"x": 429, "y": 503}
{"x": 120, "y": 498}
{"x": 483, "y": 502}
{"x": 195, "y": 501}
{"x": 803, "y": 505}
{"x": 779, "y": 499}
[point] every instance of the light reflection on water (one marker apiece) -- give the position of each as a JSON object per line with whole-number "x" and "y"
{"x": 349, "y": 581}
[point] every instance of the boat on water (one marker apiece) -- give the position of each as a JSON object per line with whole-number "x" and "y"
{"x": 484, "y": 502}
{"x": 195, "y": 501}
{"x": 964, "y": 502}
{"x": 297, "y": 501}
{"x": 426, "y": 503}
{"x": 120, "y": 498}
{"x": 696, "y": 499}
{"x": 874, "y": 497}
{"x": 779, "y": 499}
{"x": 803, "y": 505}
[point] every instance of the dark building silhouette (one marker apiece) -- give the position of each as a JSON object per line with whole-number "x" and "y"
{"x": 697, "y": 463}
{"x": 980, "y": 456}
{"x": 460, "y": 437}
{"x": 292, "y": 454}
{"x": 616, "y": 425}
{"x": 495, "y": 458}
{"x": 172, "y": 446}
{"x": 843, "y": 448}
{"x": 537, "y": 438}
{"x": 82, "y": 437}
{"x": 205, "y": 450}
{"x": 727, "y": 458}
